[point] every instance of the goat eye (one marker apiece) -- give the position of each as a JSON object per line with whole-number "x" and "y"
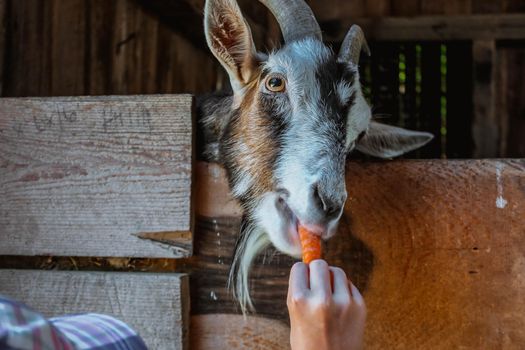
{"x": 275, "y": 84}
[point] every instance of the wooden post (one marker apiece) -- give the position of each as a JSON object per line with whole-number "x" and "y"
{"x": 485, "y": 126}
{"x": 511, "y": 99}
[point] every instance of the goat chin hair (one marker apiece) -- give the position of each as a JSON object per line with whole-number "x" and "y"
{"x": 251, "y": 242}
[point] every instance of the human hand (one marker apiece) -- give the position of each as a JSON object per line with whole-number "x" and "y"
{"x": 323, "y": 317}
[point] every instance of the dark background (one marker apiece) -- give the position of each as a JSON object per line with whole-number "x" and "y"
{"x": 467, "y": 88}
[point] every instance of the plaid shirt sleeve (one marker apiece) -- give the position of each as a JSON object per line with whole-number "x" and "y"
{"x": 24, "y": 329}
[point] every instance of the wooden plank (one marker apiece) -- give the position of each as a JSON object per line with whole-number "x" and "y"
{"x": 231, "y": 332}
{"x": 458, "y": 7}
{"x": 82, "y": 176}
{"x": 123, "y": 45}
{"x": 148, "y": 44}
{"x": 3, "y": 24}
{"x": 447, "y": 27}
{"x": 377, "y": 8}
{"x": 101, "y": 51}
{"x": 485, "y": 127}
{"x": 406, "y": 7}
{"x": 28, "y": 56}
{"x": 68, "y": 50}
{"x": 153, "y": 304}
{"x": 433, "y": 7}
{"x": 443, "y": 7}
{"x": 437, "y": 247}
{"x": 512, "y": 99}
{"x": 487, "y": 6}
{"x": 330, "y": 10}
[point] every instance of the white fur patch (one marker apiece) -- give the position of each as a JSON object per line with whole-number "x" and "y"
{"x": 276, "y": 225}
{"x": 344, "y": 91}
{"x": 242, "y": 185}
{"x": 253, "y": 241}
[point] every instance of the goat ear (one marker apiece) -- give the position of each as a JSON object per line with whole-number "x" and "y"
{"x": 230, "y": 40}
{"x": 385, "y": 141}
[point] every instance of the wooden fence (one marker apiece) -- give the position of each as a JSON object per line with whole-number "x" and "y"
{"x": 104, "y": 177}
{"x": 437, "y": 247}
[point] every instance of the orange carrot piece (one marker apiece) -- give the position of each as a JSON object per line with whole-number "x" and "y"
{"x": 311, "y": 245}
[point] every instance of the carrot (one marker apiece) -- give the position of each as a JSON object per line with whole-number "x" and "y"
{"x": 310, "y": 244}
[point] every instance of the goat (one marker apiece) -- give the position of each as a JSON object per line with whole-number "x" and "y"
{"x": 284, "y": 133}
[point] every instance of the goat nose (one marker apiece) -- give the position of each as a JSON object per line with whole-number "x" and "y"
{"x": 330, "y": 205}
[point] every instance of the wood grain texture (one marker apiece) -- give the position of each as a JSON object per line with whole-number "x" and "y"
{"x": 101, "y": 50}
{"x": 93, "y": 47}
{"x": 155, "y": 305}
{"x": 231, "y": 332}
{"x": 82, "y": 176}
{"x": 68, "y": 47}
{"x": 27, "y": 54}
{"x": 444, "y": 27}
{"x": 437, "y": 247}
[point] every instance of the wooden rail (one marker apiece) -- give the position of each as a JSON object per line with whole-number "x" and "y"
{"x": 446, "y": 27}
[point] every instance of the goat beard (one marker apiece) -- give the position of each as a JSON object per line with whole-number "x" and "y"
{"x": 252, "y": 241}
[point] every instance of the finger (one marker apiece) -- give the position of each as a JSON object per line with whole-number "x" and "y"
{"x": 340, "y": 284}
{"x": 298, "y": 277}
{"x": 320, "y": 278}
{"x": 356, "y": 295}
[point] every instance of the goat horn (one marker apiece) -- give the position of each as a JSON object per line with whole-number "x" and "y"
{"x": 352, "y": 45}
{"x": 295, "y": 19}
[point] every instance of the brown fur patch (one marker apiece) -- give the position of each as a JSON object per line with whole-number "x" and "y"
{"x": 254, "y": 130}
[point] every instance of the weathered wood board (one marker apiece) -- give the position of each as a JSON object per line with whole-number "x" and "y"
{"x": 231, "y": 332}
{"x": 155, "y": 305}
{"x": 437, "y": 247}
{"x": 457, "y": 27}
{"x": 84, "y": 176}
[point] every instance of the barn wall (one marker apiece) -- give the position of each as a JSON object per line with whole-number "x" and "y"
{"x": 97, "y": 47}
{"x": 100, "y": 47}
